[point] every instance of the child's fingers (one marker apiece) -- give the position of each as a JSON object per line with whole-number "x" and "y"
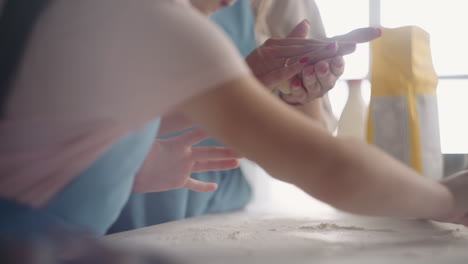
{"x": 213, "y": 153}
{"x": 464, "y": 221}
{"x": 201, "y": 166}
{"x": 192, "y": 137}
{"x": 200, "y": 186}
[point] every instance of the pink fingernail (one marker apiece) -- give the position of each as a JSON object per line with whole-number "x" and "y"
{"x": 324, "y": 70}
{"x": 331, "y": 46}
{"x": 379, "y": 31}
{"x": 338, "y": 65}
{"x": 311, "y": 73}
{"x": 225, "y": 3}
{"x": 307, "y": 21}
{"x": 296, "y": 83}
{"x": 304, "y": 60}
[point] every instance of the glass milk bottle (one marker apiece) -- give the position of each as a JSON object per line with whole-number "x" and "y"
{"x": 353, "y": 120}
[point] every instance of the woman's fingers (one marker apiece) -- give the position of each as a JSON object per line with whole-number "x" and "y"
{"x": 327, "y": 52}
{"x": 310, "y": 82}
{"x": 295, "y": 42}
{"x": 301, "y": 30}
{"x": 316, "y": 80}
{"x": 325, "y": 77}
{"x": 337, "y": 66}
{"x": 213, "y": 153}
{"x": 297, "y": 95}
{"x": 345, "y": 48}
{"x": 283, "y": 73}
{"x": 298, "y": 92}
{"x": 217, "y": 165}
{"x": 347, "y": 42}
{"x": 319, "y": 52}
{"x": 360, "y": 35}
{"x": 293, "y": 51}
{"x": 200, "y": 186}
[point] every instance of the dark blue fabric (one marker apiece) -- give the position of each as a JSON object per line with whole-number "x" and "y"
{"x": 16, "y": 22}
{"x": 19, "y": 221}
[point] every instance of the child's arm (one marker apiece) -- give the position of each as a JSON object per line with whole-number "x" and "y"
{"x": 351, "y": 176}
{"x": 458, "y": 185}
{"x": 174, "y": 122}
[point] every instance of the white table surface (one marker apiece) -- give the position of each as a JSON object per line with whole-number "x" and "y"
{"x": 288, "y": 235}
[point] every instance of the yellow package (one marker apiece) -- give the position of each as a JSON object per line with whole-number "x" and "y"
{"x": 403, "y": 116}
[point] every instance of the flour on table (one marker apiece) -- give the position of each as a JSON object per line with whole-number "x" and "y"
{"x": 335, "y": 227}
{"x": 238, "y": 235}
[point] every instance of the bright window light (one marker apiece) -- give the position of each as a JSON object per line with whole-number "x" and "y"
{"x": 445, "y": 21}
{"x": 337, "y": 21}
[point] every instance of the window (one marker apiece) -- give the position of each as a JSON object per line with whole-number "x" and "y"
{"x": 337, "y": 21}
{"x": 444, "y": 20}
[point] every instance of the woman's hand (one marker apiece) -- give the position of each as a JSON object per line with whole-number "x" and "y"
{"x": 458, "y": 186}
{"x": 278, "y": 60}
{"x": 171, "y": 161}
{"x": 316, "y": 80}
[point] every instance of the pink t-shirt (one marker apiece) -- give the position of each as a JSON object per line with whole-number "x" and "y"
{"x": 95, "y": 70}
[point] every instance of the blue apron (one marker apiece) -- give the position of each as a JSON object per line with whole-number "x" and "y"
{"x": 234, "y": 191}
{"x": 95, "y": 199}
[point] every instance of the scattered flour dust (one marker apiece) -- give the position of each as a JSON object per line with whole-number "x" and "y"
{"x": 213, "y": 234}
{"x": 335, "y": 227}
{"x": 238, "y": 235}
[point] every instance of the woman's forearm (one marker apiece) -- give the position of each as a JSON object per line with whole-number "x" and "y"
{"x": 350, "y": 176}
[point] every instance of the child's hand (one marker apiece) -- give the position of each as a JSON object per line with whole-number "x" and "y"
{"x": 171, "y": 161}
{"x": 458, "y": 185}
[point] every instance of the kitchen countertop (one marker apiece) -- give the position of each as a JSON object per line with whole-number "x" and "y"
{"x": 318, "y": 234}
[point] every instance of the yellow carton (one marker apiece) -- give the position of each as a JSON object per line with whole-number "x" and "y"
{"x": 403, "y": 116}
